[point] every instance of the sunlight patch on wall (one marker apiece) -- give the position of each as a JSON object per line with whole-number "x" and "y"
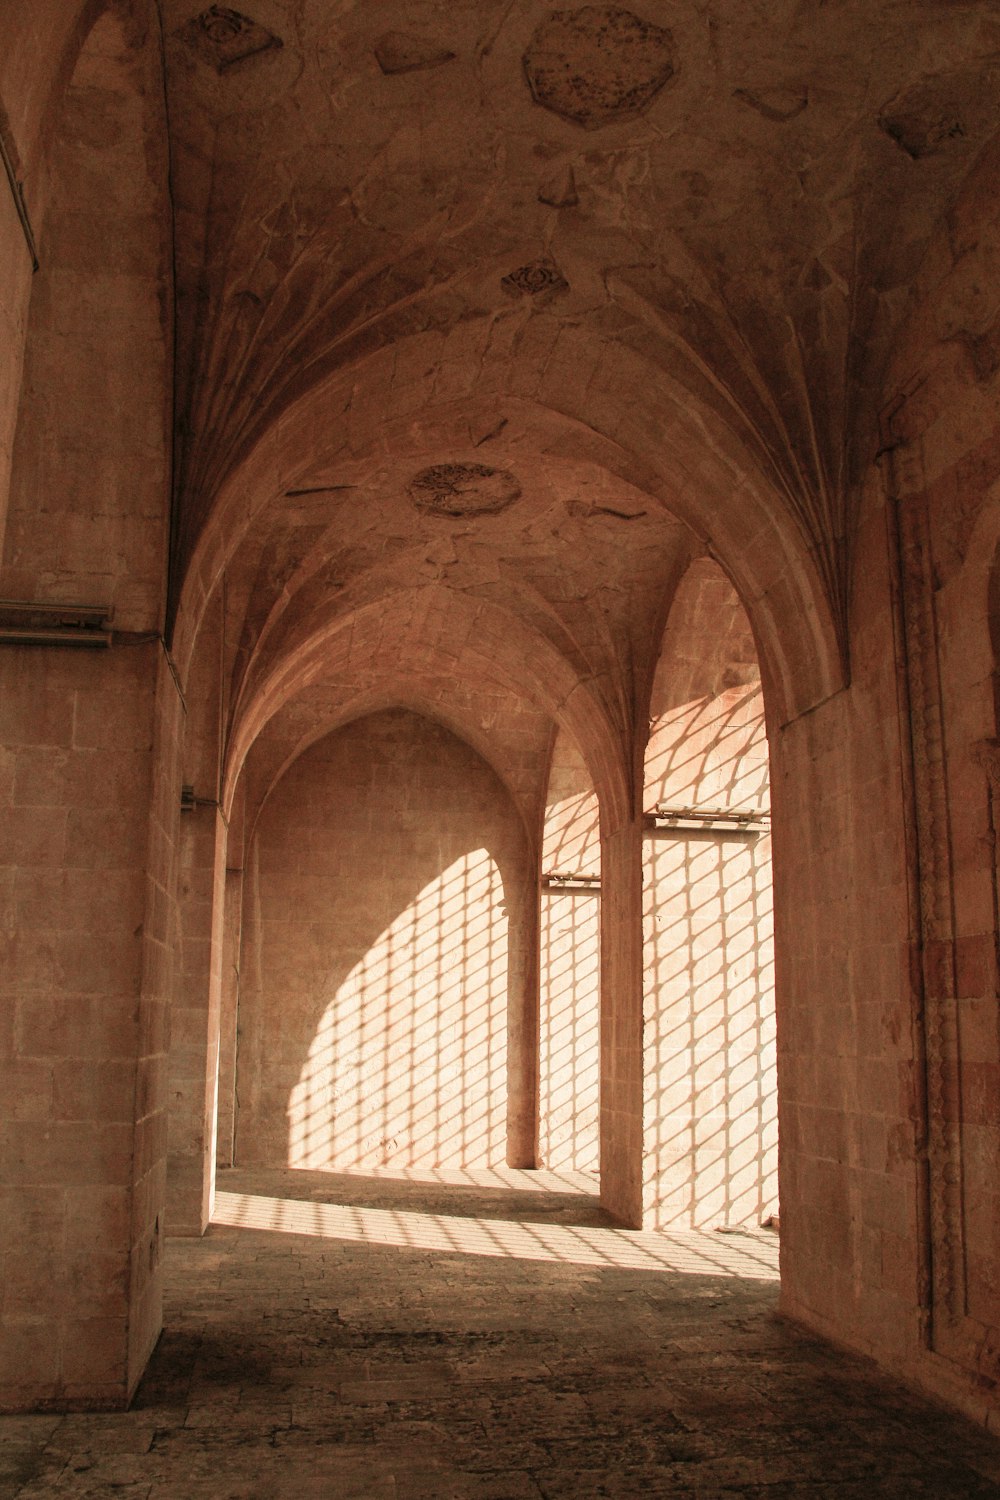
{"x": 409, "y": 1061}
{"x": 710, "y": 1051}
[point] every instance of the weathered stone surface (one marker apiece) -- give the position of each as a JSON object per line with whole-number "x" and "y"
{"x": 598, "y": 65}
{"x": 919, "y": 124}
{"x": 298, "y": 1364}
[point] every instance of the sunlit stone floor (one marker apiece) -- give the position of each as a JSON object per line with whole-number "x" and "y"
{"x": 440, "y": 1336}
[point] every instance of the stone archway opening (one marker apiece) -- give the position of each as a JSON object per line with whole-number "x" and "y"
{"x": 387, "y": 942}
{"x": 709, "y": 1042}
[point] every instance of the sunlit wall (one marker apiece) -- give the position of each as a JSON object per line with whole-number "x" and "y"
{"x": 383, "y": 955}
{"x": 709, "y": 1033}
{"x": 569, "y": 1063}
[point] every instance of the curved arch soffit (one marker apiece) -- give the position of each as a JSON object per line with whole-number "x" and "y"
{"x": 280, "y": 641}
{"x": 624, "y": 411}
{"x": 682, "y": 610}
{"x": 529, "y": 664}
{"x": 363, "y": 706}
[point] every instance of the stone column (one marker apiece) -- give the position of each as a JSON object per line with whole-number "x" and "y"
{"x": 232, "y": 940}
{"x": 621, "y": 1023}
{"x": 523, "y": 1020}
{"x": 194, "y": 1021}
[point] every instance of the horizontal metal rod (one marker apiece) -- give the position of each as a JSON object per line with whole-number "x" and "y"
{"x": 57, "y": 635}
{"x": 98, "y": 613}
{"x": 572, "y": 882}
{"x": 25, "y": 622}
{"x": 189, "y": 801}
{"x": 708, "y": 820}
{"x": 713, "y": 814}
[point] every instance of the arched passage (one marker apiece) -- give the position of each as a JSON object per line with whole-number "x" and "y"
{"x": 387, "y": 954}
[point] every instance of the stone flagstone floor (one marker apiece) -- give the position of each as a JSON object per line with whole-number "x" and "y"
{"x": 437, "y": 1336}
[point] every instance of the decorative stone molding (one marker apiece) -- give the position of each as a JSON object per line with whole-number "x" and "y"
{"x": 537, "y": 278}
{"x": 463, "y": 490}
{"x": 779, "y": 105}
{"x": 598, "y": 65}
{"x": 224, "y": 37}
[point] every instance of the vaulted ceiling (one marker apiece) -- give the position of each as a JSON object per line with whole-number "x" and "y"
{"x": 736, "y": 194}
{"x": 501, "y": 313}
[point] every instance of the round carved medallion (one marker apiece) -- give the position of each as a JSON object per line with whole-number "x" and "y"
{"x": 598, "y": 65}
{"x": 463, "y": 490}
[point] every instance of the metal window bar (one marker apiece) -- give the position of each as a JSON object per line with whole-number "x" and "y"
{"x": 709, "y": 819}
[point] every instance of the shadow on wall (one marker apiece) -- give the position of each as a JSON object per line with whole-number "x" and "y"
{"x": 384, "y": 955}
{"x": 709, "y": 1036}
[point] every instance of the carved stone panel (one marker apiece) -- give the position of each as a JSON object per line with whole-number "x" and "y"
{"x": 540, "y": 278}
{"x": 463, "y": 490}
{"x": 223, "y": 36}
{"x": 598, "y": 65}
{"x": 398, "y": 52}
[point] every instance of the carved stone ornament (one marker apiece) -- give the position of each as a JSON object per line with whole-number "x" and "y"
{"x": 535, "y": 279}
{"x": 598, "y": 65}
{"x": 780, "y": 105}
{"x": 398, "y": 52}
{"x": 223, "y": 36}
{"x": 463, "y": 490}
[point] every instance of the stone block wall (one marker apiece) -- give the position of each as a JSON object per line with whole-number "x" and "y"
{"x": 87, "y": 879}
{"x": 90, "y": 781}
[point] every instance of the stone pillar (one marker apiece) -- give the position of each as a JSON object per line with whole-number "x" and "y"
{"x": 621, "y": 1024}
{"x": 194, "y": 1022}
{"x": 88, "y": 770}
{"x": 523, "y": 1025}
{"x": 229, "y": 1019}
